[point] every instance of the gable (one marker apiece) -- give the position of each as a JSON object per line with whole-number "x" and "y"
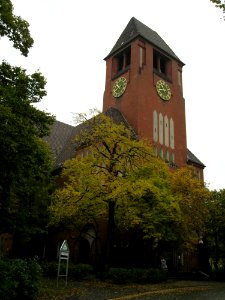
{"x": 136, "y": 29}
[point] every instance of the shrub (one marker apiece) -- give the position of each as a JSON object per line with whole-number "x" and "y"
{"x": 136, "y": 275}
{"x": 19, "y": 279}
{"x": 120, "y": 275}
{"x": 76, "y": 271}
{"x": 49, "y": 268}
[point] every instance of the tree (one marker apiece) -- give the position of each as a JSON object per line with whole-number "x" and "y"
{"x": 193, "y": 196}
{"x": 120, "y": 180}
{"x": 25, "y": 160}
{"x": 216, "y": 226}
{"x": 219, "y": 4}
{"x": 15, "y": 28}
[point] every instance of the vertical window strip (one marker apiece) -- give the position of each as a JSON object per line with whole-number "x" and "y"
{"x": 141, "y": 57}
{"x": 161, "y": 129}
{"x": 166, "y": 131}
{"x": 155, "y": 150}
{"x": 155, "y": 126}
{"x": 172, "y": 143}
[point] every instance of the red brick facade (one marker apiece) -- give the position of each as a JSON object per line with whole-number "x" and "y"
{"x": 140, "y": 98}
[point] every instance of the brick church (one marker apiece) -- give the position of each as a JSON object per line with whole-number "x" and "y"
{"x": 143, "y": 89}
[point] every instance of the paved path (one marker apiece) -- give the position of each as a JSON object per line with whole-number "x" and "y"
{"x": 185, "y": 290}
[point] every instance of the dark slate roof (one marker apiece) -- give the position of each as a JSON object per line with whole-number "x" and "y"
{"x": 191, "y": 158}
{"x": 61, "y": 139}
{"x": 119, "y": 118}
{"x": 136, "y": 29}
{"x": 61, "y": 143}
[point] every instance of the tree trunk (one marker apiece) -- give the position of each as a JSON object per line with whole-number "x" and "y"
{"x": 110, "y": 234}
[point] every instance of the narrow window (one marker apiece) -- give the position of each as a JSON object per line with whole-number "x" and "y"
{"x": 172, "y": 159}
{"x": 172, "y": 134}
{"x": 161, "y": 129}
{"x": 167, "y": 156}
{"x": 161, "y": 64}
{"x": 155, "y": 126}
{"x": 180, "y": 80}
{"x": 142, "y": 57}
{"x": 155, "y": 151}
{"x": 161, "y": 152}
{"x": 155, "y": 61}
{"x": 166, "y": 131}
{"x": 121, "y": 61}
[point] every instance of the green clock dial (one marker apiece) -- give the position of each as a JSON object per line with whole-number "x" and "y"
{"x": 163, "y": 90}
{"x": 119, "y": 87}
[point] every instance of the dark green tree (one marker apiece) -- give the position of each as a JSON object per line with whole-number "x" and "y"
{"x": 219, "y": 4}
{"x": 25, "y": 161}
{"x": 15, "y": 28}
{"x": 216, "y": 227}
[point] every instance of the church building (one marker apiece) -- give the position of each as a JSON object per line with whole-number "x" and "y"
{"x": 143, "y": 90}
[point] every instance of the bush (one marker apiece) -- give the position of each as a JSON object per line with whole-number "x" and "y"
{"x": 75, "y": 271}
{"x": 122, "y": 276}
{"x": 80, "y": 271}
{"x": 19, "y": 279}
{"x": 49, "y": 268}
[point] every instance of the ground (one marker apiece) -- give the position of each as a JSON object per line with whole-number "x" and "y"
{"x": 170, "y": 290}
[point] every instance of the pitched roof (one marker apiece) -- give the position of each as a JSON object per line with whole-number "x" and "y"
{"x": 61, "y": 143}
{"x": 191, "y": 158}
{"x": 61, "y": 139}
{"x": 62, "y": 136}
{"x": 136, "y": 29}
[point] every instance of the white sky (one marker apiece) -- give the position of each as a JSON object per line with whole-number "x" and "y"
{"x": 73, "y": 37}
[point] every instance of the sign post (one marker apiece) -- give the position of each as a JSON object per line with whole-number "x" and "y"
{"x": 63, "y": 256}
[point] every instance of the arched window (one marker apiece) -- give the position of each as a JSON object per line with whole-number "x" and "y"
{"x": 172, "y": 158}
{"x": 161, "y": 152}
{"x": 166, "y": 131}
{"x": 161, "y": 129}
{"x": 172, "y": 134}
{"x": 167, "y": 155}
{"x": 155, "y": 150}
{"x": 155, "y": 126}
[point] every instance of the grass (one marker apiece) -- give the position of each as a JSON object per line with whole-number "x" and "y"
{"x": 50, "y": 291}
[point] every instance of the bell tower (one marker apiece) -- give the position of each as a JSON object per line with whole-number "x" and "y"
{"x": 144, "y": 82}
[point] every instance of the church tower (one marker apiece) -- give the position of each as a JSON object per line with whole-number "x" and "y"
{"x": 144, "y": 82}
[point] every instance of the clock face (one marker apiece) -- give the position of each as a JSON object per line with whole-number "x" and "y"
{"x": 119, "y": 87}
{"x": 163, "y": 90}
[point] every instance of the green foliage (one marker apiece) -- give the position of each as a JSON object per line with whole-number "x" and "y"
{"x": 25, "y": 160}
{"x": 120, "y": 179}
{"x": 220, "y": 5}
{"x": 142, "y": 276}
{"x": 75, "y": 271}
{"x": 19, "y": 279}
{"x": 49, "y": 268}
{"x": 80, "y": 271}
{"x": 216, "y": 228}
{"x": 122, "y": 182}
{"x": 192, "y": 196}
{"x": 14, "y": 27}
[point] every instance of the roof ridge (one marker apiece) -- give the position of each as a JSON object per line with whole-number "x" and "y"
{"x": 136, "y": 28}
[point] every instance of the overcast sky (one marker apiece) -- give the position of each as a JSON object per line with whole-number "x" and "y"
{"x": 73, "y": 37}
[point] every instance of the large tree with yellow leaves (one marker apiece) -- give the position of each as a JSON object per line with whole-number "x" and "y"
{"x": 120, "y": 180}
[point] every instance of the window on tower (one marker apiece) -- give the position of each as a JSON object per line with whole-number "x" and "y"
{"x": 121, "y": 61}
{"x": 161, "y": 64}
